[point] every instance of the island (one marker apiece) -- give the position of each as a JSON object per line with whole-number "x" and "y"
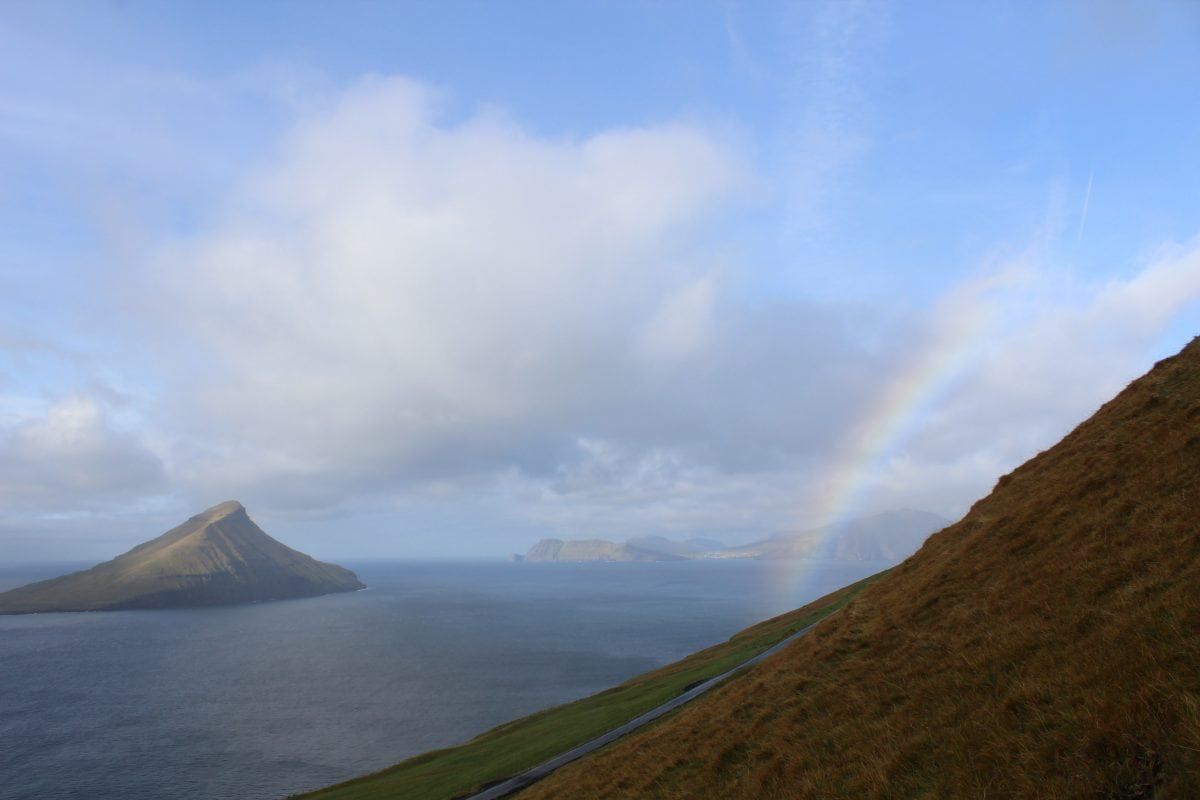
{"x": 889, "y": 536}
{"x": 218, "y": 557}
{"x": 593, "y": 550}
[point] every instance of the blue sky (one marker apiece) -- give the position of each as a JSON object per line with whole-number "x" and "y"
{"x": 443, "y": 278}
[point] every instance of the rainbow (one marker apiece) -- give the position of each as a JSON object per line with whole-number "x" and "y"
{"x": 881, "y": 434}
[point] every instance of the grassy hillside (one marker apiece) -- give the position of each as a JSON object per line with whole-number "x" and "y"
{"x": 515, "y": 747}
{"x": 1048, "y": 645}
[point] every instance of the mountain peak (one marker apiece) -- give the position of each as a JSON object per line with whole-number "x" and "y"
{"x": 221, "y": 510}
{"x": 218, "y": 557}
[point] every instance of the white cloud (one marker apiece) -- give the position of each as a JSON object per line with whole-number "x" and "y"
{"x": 682, "y": 322}
{"x": 400, "y": 296}
{"x": 1051, "y": 355}
{"x": 71, "y": 457}
{"x": 1006, "y": 364}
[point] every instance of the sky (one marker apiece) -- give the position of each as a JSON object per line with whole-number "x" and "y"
{"x": 442, "y": 279}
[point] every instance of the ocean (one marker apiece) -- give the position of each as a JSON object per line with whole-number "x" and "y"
{"x": 257, "y": 702}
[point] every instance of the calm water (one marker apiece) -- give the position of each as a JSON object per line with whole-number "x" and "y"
{"x": 261, "y": 701}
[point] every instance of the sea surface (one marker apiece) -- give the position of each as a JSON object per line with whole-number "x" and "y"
{"x": 261, "y": 701}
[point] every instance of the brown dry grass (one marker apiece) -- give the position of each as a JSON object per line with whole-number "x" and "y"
{"x": 1046, "y": 646}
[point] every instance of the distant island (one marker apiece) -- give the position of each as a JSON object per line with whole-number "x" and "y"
{"x": 889, "y": 536}
{"x": 646, "y": 548}
{"x": 218, "y": 557}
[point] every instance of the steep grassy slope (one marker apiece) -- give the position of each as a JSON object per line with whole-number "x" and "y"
{"x": 516, "y": 746}
{"x": 1048, "y": 645}
{"x": 216, "y": 557}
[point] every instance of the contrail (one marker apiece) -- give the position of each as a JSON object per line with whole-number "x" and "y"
{"x": 1087, "y": 198}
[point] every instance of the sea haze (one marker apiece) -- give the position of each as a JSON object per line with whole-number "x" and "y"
{"x": 261, "y": 701}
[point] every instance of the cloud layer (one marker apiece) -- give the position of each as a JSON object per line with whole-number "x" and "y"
{"x": 404, "y": 309}
{"x": 398, "y": 299}
{"x": 73, "y": 456}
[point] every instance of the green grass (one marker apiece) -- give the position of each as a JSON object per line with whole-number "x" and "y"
{"x": 516, "y": 746}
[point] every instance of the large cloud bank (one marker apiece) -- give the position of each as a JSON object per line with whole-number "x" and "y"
{"x": 402, "y": 307}
{"x": 397, "y": 299}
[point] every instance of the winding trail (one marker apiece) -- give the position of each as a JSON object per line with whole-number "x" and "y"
{"x": 515, "y": 784}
